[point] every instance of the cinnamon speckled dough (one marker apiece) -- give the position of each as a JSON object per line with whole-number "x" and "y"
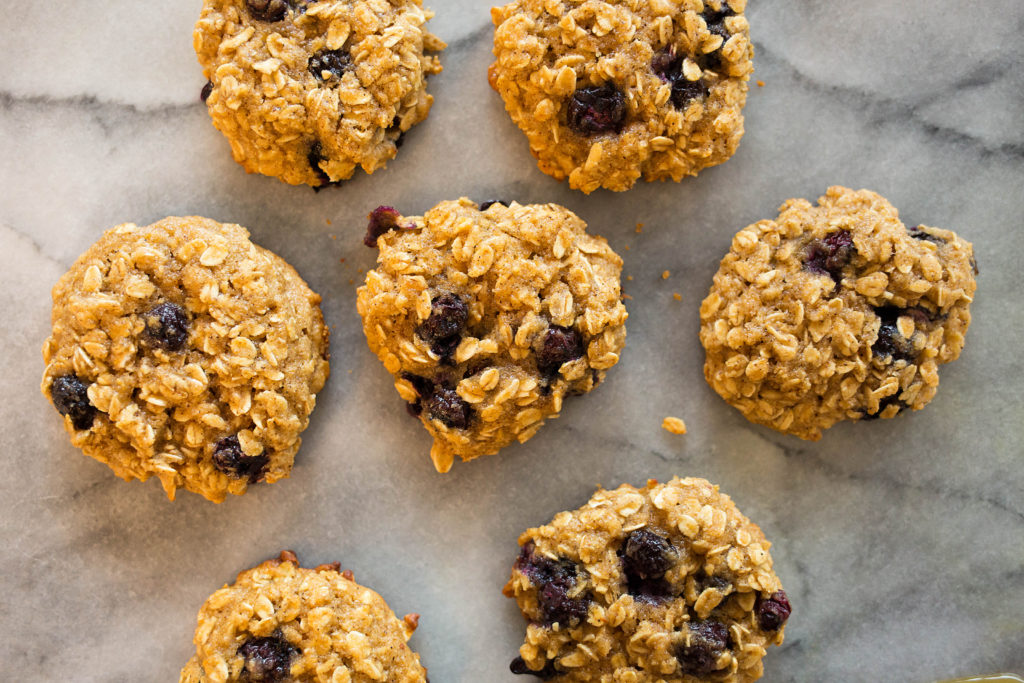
{"x": 488, "y": 319}
{"x": 280, "y": 622}
{"x": 183, "y": 350}
{"x": 306, "y": 91}
{"x": 680, "y": 67}
{"x": 835, "y": 311}
{"x": 668, "y": 583}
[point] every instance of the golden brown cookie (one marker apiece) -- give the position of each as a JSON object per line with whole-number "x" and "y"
{"x": 489, "y": 316}
{"x": 835, "y": 312}
{"x": 280, "y": 622}
{"x": 609, "y": 91}
{"x": 183, "y": 350}
{"x": 665, "y": 584}
{"x": 308, "y": 90}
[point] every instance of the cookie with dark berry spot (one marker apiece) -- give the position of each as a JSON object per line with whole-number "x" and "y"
{"x": 670, "y": 583}
{"x": 488, "y": 318}
{"x": 182, "y": 350}
{"x": 835, "y": 312}
{"x": 307, "y": 91}
{"x": 611, "y": 91}
{"x": 280, "y": 622}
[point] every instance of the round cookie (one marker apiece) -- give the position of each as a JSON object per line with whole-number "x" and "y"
{"x": 833, "y": 312}
{"x": 609, "y": 91}
{"x": 280, "y": 622}
{"x": 489, "y": 316}
{"x": 668, "y": 583}
{"x": 306, "y": 90}
{"x": 183, "y": 350}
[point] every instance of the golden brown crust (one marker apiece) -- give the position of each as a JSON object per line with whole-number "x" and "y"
{"x": 254, "y": 359}
{"x": 802, "y": 332}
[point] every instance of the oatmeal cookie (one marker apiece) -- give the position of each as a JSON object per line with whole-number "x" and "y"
{"x": 668, "y": 583}
{"x": 183, "y": 350}
{"x": 489, "y": 316}
{"x": 280, "y": 622}
{"x": 833, "y": 312}
{"x": 608, "y": 91}
{"x": 307, "y": 90}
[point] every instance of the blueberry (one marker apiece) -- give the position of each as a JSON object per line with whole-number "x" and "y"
{"x": 919, "y": 233}
{"x": 166, "y": 327}
{"x": 669, "y": 68}
{"x": 267, "y": 659}
{"x": 423, "y": 386}
{"x": 336, "y": 62}
{"x": 715, "y": 20}
{"x": 560, "y": 345}
{"x": 772, "y": 612}
{"x": 707, "y": 641}
{"x": 204, "y": 94}
{"x": 446, "y": 405}
{"x": 442, "y": 329}
{"x": 597, "y": 110}
{"x": 315, "y": 158}
{"x": 883, "y": 404}
{"x": 646, "y": 555}
{"x": 268, "y": 10}
{"x": 491, "y": 202}
{"x": 382, "y": 219}
{"x": 830, "y": 255}
{"x": 890, "y": 343}
{"x": 229, "y": 458}
{"x": 71, "y": 397}
{"x": 518, "y": 666}
{"x": 554, "y": 580}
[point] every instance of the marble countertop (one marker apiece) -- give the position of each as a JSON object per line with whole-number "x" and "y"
{"x": 900, "y": 542}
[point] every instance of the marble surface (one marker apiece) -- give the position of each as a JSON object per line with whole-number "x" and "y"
{"x": 901, "y": 542}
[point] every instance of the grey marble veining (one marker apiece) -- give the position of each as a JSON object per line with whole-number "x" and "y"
{"x": 900, "y": 542}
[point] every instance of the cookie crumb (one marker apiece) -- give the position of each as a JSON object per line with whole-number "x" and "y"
{"x": 673, "y": 425}
{"x": 760, "y": 84}
{"x": 639, "y": 227}
{"x": 665, "y": 275}
{"x": 677, "y": 296}
{"x": 629, "y": 277}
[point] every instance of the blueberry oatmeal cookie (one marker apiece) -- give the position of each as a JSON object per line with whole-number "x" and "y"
{"x": 306, "y": 90}
{"x": 489, "y": 316}
{"x": 183, "y": 350}
{"x": 661, "y": 584}
{"x": 281, "y": 622}
{"x": 609, "y": 91}
{"x": 835, "y": 311}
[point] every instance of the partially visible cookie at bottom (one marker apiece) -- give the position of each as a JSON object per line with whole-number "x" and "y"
{"x": 282, "y": 622}
{"x": 669, "y": 583}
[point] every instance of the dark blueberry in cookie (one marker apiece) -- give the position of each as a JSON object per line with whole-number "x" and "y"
{"x": 518, "y": 666}
{"x": 448, "y": 316}
{"x": 414, "y": 409}
{"x": 918, "y": 233}
{"x": 597, "y": 110}
{"x": 554, "y": 580}
{"x": 166, "y": 326}
{"x": 315, "y": 157}
{"x": 883, "y": 404}
{"x": 229, "y": 458}
{"x": 491, "y": 202}
{"x": 268, "y": 10}
{"x": 423, "y": 386}
{"x": 446, "y": 405}
{"x": 830, "y": 255}
{"x": 336, "y": 62}
{"x": 646, "y": 555}
{"x": 267, "y": 659}
{"x": 772, "y": 612}
{"x": 890, "y": 343}
{"x": 707, "y": 641}
{"x": 204, "y": 94}
{"x": 560, "y": 345}
{"x": 383, "y": 219}
{"x": 669, "y": 68}
{"x": 71, "y": 397}
{"x": 715, "y": 19}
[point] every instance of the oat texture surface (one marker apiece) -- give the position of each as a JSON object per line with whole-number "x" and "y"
{"x": 667, "y": 583}
{"x": 182, "y": 350}
{"x": 307, "y": 91}
{"x": 281, "y": 622}
{"x": 488, "y": 319}
{"x": 610, "y": 91}
{"x": 835, "y": 311}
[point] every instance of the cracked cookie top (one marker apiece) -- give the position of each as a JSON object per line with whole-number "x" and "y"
{"x": 183, "y": 350}
{"x": 609, "y": 91}
{"x": 489, "y": 317}
{"x": 280, "y": 622}
{"x": 835, "y": 311}
{"x": 308, "y": 90}
{"x": 668, "y": 583}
